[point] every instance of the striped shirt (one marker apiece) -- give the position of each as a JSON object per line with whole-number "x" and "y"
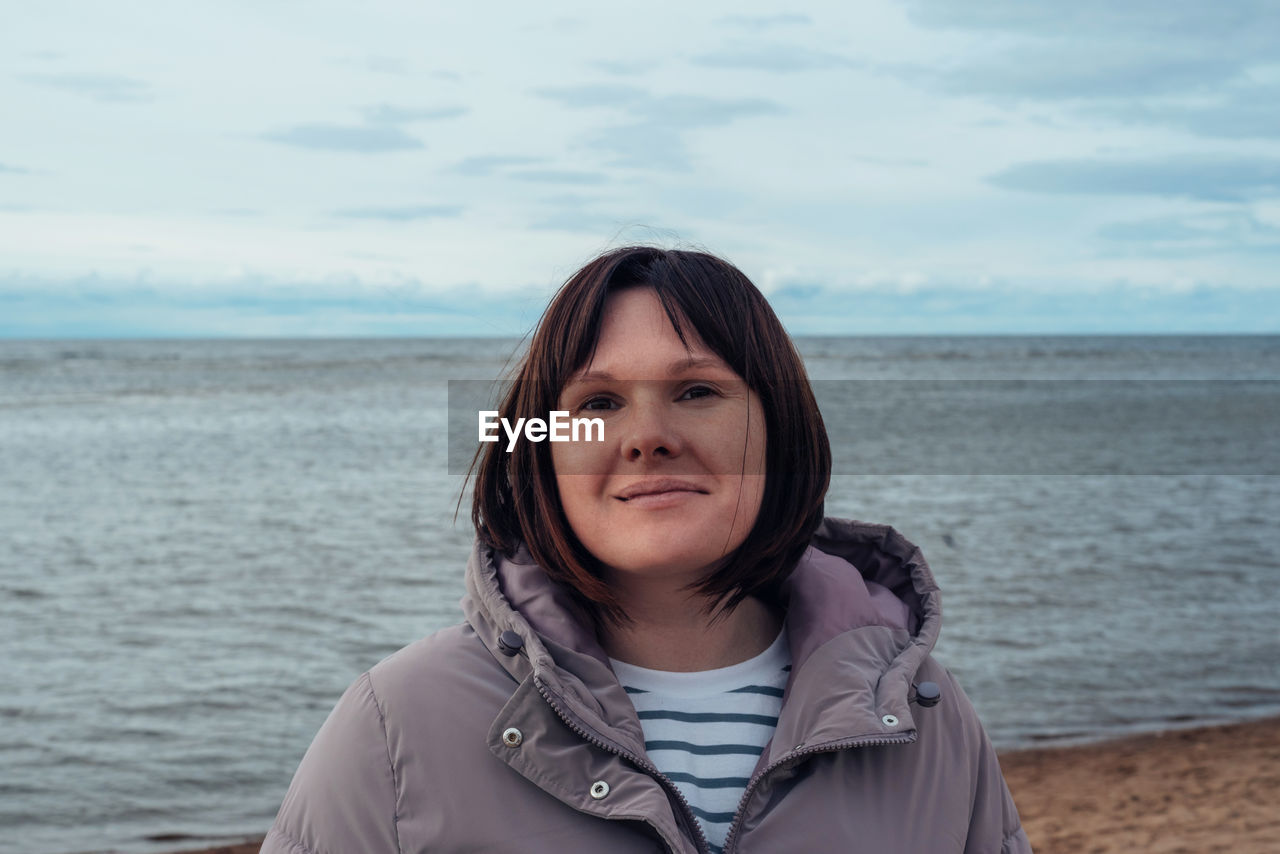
{"x": 706, "y": 730}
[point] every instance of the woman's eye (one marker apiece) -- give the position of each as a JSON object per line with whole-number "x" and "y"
{"x": 598, "y": 404}
{"x": 697, "y": 391}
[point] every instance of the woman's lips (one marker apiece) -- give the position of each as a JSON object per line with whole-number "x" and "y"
{"x": 660, "y": 500}
{"x": 658, "y": 493}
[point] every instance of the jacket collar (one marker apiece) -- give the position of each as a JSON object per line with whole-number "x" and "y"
{"x": 862, "y": 609}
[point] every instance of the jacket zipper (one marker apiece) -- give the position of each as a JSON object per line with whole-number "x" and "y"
{"x": 828, "y": 747}
{"x": 700, "y": 839}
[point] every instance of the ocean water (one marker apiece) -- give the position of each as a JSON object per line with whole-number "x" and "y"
{"x": 203, "y": 543}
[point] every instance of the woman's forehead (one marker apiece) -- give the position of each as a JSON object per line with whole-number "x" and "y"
{"x": 635, "y": 326}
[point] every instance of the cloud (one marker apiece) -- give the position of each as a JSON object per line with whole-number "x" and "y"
{"x": 776, "y": 58}
{"x": 1193, "y": 234}
{"x": 1080, "y": 71}
{"x": 1240, "y": 112}
{"x": 648, "y": 145}
{"x": 386, "y": 65}
{"x": 1205, "y": 69}
{"x": 402, "y": 214}
{"x": 109, "y": 88}
{"x": 891, "y": 162}
{"x": 765, "y": 22}
{"x": 389, "y": 65}
{"x": 391, "y": 115}
{"x": 93, "y": 307}
{"x": 559, "y": 176}
{"x": 256, "y": 306}
{"x": 593, "y": 95}
{"x": 1101, "y": 49}
{"x": 578, "y": 214}
{"x": 1013, "y": 308}
{"x": 6, "y": 169}
{"x": 1230, "y": 179}
{"x": 692, "y": 111}
{"x": 356, "y": 138}
{"x": 624, "y": 68}
{"x": 679, "y": 111}
{"x": 1209, "y": 23}
{"x": 653, "y": 138}
{"x": 486, "y": 164}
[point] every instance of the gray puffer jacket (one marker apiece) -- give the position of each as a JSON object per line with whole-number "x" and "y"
{"x": 462, "y": 743}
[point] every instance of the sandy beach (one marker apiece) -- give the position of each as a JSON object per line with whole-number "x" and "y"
{"x": 1186, "y": 791}
{"x": 1195, "y": 790}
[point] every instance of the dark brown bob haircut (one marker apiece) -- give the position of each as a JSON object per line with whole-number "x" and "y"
{"x": 516, "y": 499}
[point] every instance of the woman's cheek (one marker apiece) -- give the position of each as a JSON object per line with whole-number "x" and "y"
{"x": 581, "y": 458}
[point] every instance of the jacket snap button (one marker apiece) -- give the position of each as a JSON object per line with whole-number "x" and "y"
{"x": 599, "y": 789}
{"x": 510, "y": 643}
{"x": 889, "y": 720}
{"x": 512, "y": 737}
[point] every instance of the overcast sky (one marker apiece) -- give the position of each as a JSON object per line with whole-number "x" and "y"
{"x": 417, "y": 168}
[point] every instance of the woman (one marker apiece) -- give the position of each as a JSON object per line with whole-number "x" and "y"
{"x": 666, "y": 647}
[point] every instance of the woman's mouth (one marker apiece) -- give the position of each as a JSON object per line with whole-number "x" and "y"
{"x": 656, "y": 494}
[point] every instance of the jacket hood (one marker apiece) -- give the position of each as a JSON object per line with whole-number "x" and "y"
{"x": 862, "y": 614}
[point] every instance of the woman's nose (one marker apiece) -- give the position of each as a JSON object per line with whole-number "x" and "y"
{"x": 651, "y": 433}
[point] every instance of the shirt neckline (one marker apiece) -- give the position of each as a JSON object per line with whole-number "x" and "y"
{"x": 760, "y": 669}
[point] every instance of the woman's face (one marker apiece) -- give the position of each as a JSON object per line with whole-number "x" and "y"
{"x": 678, "y": 480}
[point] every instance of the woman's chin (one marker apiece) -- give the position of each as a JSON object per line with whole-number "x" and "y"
{"x": 662, "y": 557}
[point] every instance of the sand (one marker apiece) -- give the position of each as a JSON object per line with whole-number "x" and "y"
{"x": 1194, "y": 790}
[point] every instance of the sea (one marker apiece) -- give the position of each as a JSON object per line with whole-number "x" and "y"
{"x": 202, "y": 543}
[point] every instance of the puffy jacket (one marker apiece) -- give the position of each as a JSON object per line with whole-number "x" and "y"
{"x": 472, "y": 740}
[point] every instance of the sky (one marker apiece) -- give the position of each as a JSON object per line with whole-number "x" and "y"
{"x": 280, "y": 168}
